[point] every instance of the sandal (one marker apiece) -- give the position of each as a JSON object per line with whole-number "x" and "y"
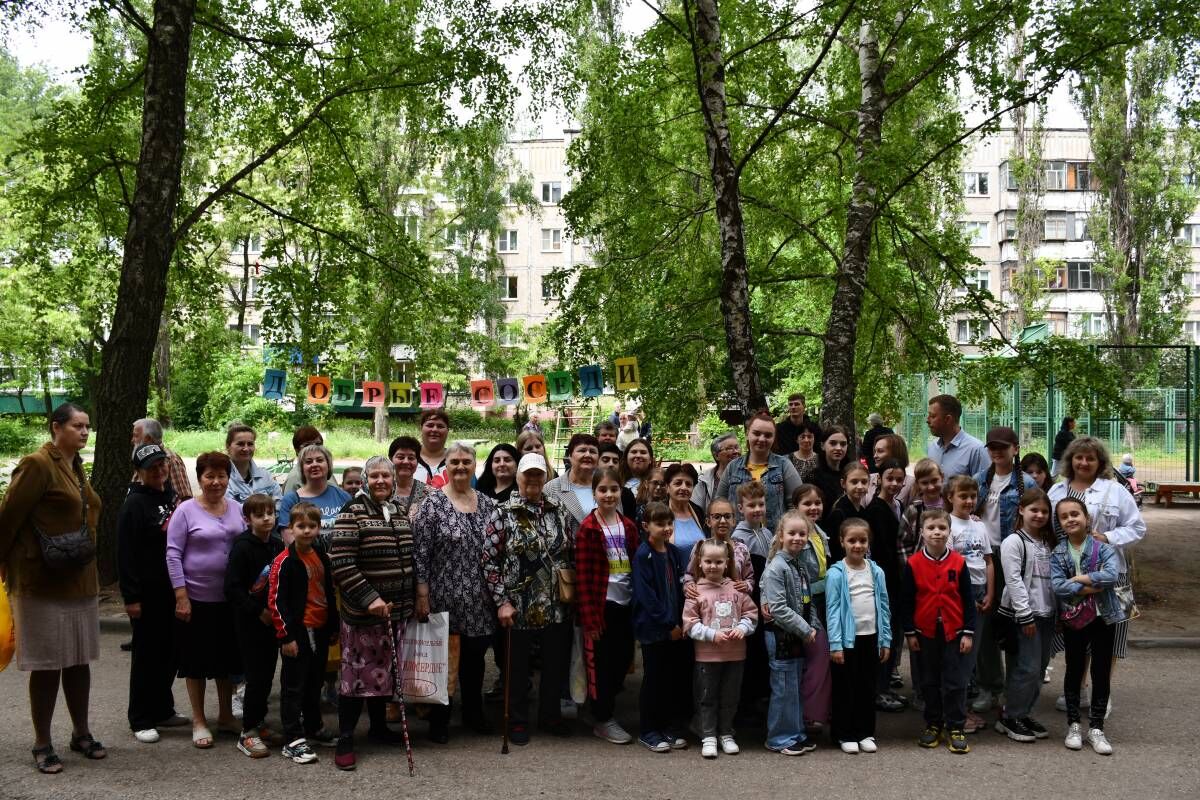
{"x": 202, "y": 738}
{"x": 47, "y": 761}
{"x": 88, "y": 746}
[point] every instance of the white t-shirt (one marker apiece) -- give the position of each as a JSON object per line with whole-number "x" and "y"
{"x": 862, "y": 599}
{"x": 620, "y": 574}
{"x": 969, "y": 538}
{"x": 991, "y": 507}
{"x": 587, "y": 500}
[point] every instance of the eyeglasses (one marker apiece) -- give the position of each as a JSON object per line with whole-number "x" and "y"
{"x": 720, "y": 517}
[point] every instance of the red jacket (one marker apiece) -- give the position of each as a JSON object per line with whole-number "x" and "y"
{"x": 591, "y": 568}
{"x": 937, "y": 587}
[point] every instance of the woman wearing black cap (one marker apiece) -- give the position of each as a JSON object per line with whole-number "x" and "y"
{"x": 149, "y": 598}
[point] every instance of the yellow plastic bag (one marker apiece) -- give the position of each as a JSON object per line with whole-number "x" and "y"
{"x": 8, "y": 631}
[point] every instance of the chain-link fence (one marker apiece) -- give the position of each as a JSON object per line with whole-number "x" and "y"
{"x": 1163, "y": 443}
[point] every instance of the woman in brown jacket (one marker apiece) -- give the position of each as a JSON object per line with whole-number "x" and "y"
{"x": 55, "y": 609}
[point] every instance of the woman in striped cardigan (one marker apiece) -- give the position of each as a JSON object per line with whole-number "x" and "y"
{"x": 372, "y": 562}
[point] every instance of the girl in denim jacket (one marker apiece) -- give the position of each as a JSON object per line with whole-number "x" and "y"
{"x": 1083, "y": 567}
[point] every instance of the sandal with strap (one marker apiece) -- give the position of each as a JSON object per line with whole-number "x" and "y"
{"x": 88, "y": 746}
{"x": 47, "y": 761}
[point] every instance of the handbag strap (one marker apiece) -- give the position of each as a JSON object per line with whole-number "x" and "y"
{"x": 79, "y": 476}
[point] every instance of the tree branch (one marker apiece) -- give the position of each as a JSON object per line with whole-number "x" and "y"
{"x": 791, "y": 332}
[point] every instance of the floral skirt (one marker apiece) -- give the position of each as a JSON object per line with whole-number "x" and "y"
{"x": 367, "y": 660}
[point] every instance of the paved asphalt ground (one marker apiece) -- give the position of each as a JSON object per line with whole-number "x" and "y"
{"x": 1152, "y": 729}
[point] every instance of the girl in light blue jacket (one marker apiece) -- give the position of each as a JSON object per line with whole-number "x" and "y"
{"x": 860, "y": 637}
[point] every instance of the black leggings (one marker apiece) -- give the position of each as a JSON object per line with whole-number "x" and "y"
{"x": 1100, "y": 637}
{"x": 350, "y": 709}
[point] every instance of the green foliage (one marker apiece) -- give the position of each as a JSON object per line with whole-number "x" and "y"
{"x": 16, "y": 438}
{"x": 711, "y": 426}
{"x": 233, "y": 387}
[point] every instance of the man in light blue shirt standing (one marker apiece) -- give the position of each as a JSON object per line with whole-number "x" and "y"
{"x": 955, "y": 451}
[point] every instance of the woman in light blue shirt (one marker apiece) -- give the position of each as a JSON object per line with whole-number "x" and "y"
{"x": 689, "y": 517}
{"x": 246, "y": 477}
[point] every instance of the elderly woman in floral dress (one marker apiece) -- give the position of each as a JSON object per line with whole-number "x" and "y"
{"x": 530, "y": 540}
{"x": 449, "y": 530}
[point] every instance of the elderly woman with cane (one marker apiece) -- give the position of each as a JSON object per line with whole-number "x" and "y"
{"x": 372, "y": 561}
{"x": 528, "y": 564}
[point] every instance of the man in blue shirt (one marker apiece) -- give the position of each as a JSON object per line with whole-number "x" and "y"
{"x": 955, "y": 451}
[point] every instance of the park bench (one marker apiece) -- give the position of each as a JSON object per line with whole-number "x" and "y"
{"x": 1164, "y": 491}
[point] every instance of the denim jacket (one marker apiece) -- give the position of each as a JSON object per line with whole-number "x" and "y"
{"x": 780, "y": 480}
{"x": 1008, "y": 498}
{"x": 785, "y": 591}
{"x": 839, "y": 617}
{"x": 1062, "y": 569}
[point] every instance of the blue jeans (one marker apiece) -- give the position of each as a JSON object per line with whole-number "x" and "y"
{"x": 1027, "y": 658}
{"x": 785, "y": 714}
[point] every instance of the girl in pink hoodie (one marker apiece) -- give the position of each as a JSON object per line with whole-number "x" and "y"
{"x": 718, "y": 618}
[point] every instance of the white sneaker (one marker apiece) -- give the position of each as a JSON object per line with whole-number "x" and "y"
{"x": 868, "y": 745}
{"x": 1074, "y": 740}
{"x": 1099, "y": 742}
{"x": 983, "y": 703}
{"x": 850, "y": 747}
{"x": 611, "y": 731}
{"x": 568, "y": 710}
{"x": 729, "y": 747}
{"x": 1046, "y": 674}
{"x": 238, "y": 699}
{"x": 147, "y": 736}
{"x": 708, "y": 747}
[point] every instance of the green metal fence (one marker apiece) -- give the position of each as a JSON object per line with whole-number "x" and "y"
{"x": 1164, "y": 443}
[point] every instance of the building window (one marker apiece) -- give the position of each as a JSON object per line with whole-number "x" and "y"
{"x": 551, "y": 240}
{"x": 510, "y": 194}
{"x": 1055, "y": 227}
{"x": 1079, "y": 176}
{"x": 548, "y": 287}
{"x": 976, "y": 233}
{"x": 1079, "y": 276}
{"x": 508, "y": 241}
{"x": 1055, "y": 175}
{"x": 975, "y": 184}
{"x": 1189, "y": 235}
{"x": 508, "y": 287}
{"x": 968, "y": 330}
{"x": 1191, "y": 330}
{"x": 1191, "y": 281}
{"x": 254, "y": 242}
{"x": 1079, "y": 228}
{"x": 551, "y": 192}
{"x": 412, "y": 226}
{"x": 1008, "y": 224}
{"x": 1089, "y": 325}
{"x": 979, "y": 280}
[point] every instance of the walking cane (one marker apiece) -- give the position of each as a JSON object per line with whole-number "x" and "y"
{"x": 397, "y": 684}
{"x": 507, "y": 684}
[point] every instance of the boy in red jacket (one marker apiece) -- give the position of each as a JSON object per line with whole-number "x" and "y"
{"x": 938, "y": 614}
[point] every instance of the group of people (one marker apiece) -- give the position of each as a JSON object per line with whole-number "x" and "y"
{"x": 776, "y": 589}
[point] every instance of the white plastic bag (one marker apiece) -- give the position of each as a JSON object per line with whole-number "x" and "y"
{"x": 578, "y": 682}
{"x": 425, "y": 660}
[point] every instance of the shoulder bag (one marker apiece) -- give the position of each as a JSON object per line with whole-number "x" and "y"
{"x": 73, "y": 549}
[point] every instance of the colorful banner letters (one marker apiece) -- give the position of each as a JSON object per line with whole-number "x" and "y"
{"x": 551, "y": 387}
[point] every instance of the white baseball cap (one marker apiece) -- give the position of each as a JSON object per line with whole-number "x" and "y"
{"x": 532, "y": 461}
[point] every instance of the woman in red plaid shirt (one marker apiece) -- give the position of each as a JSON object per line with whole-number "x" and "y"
{"x": 604, "y": 549}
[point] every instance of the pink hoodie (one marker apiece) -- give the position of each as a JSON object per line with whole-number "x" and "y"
{"x": 719, "y": 608}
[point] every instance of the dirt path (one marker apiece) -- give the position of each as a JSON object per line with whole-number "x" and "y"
{"x": 1166, "y": 568}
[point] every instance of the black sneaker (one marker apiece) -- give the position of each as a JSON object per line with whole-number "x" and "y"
{"x": 385, "y": 736}
{"x": 1015, "y": 729}
{"x": 324, "y": 737}
{"x": 956, "y": 740}
{"x": 930, "y": 737}
{"x": 1036, "y": 727}
{"x": 895, "y": 681}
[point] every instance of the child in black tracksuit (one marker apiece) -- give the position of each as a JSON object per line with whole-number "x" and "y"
{"x": 246, "y": 579}
{"x": 304, "y": 609}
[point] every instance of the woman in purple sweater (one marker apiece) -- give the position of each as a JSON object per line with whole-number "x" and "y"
{"x": 199, "y": 536}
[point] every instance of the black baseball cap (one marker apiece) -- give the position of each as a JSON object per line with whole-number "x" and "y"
{"x": 147, "y": 454}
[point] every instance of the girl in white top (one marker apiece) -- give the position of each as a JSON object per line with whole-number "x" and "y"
{"x": 1027, "y": 613}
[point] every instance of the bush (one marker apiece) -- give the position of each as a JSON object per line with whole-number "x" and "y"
{"x": 15, "y": 437}
{"x": 466, "y": 419}
{"x": 261, "y": 414}
{"x": 712, "y": 426}
{"x": 233, "y": 384}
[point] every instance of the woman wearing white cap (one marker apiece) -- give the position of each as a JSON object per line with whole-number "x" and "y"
{"x": 528, "y": 546}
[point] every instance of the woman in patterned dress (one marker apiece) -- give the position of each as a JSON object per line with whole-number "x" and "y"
{"x": 449, "y": 531}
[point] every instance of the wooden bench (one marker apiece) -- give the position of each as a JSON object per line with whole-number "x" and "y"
{"x": 1164, "y": 491}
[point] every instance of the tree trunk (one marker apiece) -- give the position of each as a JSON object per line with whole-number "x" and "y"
{"x": 735, "y": 290}
{"x": 149, "y": 244}
{"x": 838, "y": 383}
{"x": 244, "y": 295}
{"x": 162, "y": 371}
{"x": 47, "y": 400}
{"x": 1027, "y": 285}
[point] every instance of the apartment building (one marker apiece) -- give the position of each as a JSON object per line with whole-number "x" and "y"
{"x": 1073, "y": 300}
